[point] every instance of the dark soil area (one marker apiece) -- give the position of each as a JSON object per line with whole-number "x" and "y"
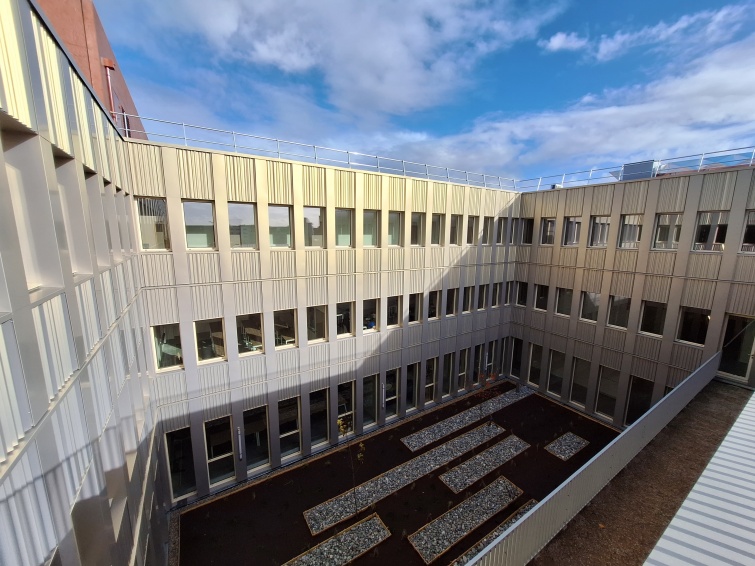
{"x": 262, "y": 523}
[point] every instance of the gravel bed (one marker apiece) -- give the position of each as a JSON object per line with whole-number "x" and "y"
{"x": 430, "y": 434}
{"x": 437, "y": 537}
{"x": 494, "y": 534}
{"x": 346, "y": 546}
{"x": 567, "y": 445}
{"x": 466, "y": 473}
{"x": 333, "y": 511}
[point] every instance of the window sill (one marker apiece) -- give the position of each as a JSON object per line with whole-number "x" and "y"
{"x": 169, "y": 369}
{"x": 539, "y": 310}
{"x": 252, "y": 353}
{"x": 210, "y": 361}
{"x": 650, "y": 334}
{"x": 685, "y": 343}
{"x": 392, "y": 326}
{"x": 156, "y": 250}
{"x": 205, "y": 250}
{"x": 624, "y": 328}
{"x": 244, "y": 248}
{"x": 288, "y": 347}
{"x": 562, "y": 315}
{"x": 349, "y": 335}
{"x": 588, "y": 320}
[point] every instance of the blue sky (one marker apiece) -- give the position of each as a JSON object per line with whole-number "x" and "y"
{"x": 508, "y": 87}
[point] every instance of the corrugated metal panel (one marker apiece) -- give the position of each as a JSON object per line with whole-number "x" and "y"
{"x": 481, "y": 320}
{"x": 216, "y": 405}
{"x": 568, "y": 256}
{"x": 521, "y": 272}
{"x": 146, "y": 166}
{"x": 392, "y": 340}
{"x": 288, "y": 361}
{"x": 195, "y": 174}
{"x": 621, "y": 284}
{"x": 563, "y": 277}
{"x": 436, "y": 256}
{"x": 395, "y": 283}
{"x": 715, "y": 523}
{"x": 239, "y": 178}
{"x": 718, "y": 190}
{"x": 345, "y": 288}
{"x": 527, "y": 205}
{"x": 396, "y": 193}
{"x": 248, "y": 297}
{"x": 319, "y": 355}
{"x": 280, "y": 184}
{"x": 82, "y": 101}
{"x": 15, "y": 95}
{"x": 585, "y": 332}
{"x": 614, "y": 339}
{"x": 431, "y": 332}
{"x": 592, "y": 280}
{"x": 635, "y": 195}
{"x": 675, "y": 376}
{"x": 486, "y": 254}
{"x": 647, "y": 347}
{"x": 371, "y": 345}
{"x": 440, "y": 190}
{"x": 416, "y": 283}
{"x": 686, "y": 357}
{"x": 204, "y": 267}
{"x": 574, "y": 202}
{"x": 433, "y": 279}
{"x": 246, "y": 265}
{"x": 213, "y": 378}
{"x": 317, "y": 379}
{"x": 549, "y": 202}
{"x": 395, "y": 259}
{"x": 468, "y": 274}
{"x": 751, "y": 197}
{"x": 373, "y": 198}
{"x": 470, "y": 256}
{"x": 372, "y": 259}
{"x": 474, "y": 202}
{"x": 698, "y": 293}
{"x": 745, "y": 269}
{"x": 558, "y": 343}
{"x": 583, "y": 351}
{"x": 346, "y": 261}
{"x": 703, "y": 265}
{"x": 207, "y": 301}
{"x": 457, "y": 199}
{"x": 371, "y": 365}
{"x": 168, "y": 388}
{"x": 602, "y": 198}
{"x": 595, "y": 258}
{"x": 316, "y": 262}
{"x": 625, "y": 260}
{"x": 656, "y": 289}
{"x": 517, "y": 315}
{"x": 283, "y": 264}
{"x": 484, "y": 271}
{"x": 544, "y": 254}
{"x": 254, "y": 396}
{"x": 253, "y": 369}
{"x": 371, "y": 286}
{"x": 611, "y": 358}
{"x": 560, "y": 325}
{"x": 317, "y": 291}
{"x": 673, "y": 194}
{"x": 162, "y": 305}
{"x": 542, "y": 274}
{"x": 419, "y": 195}
{"x": 517, "y": 331}
{"x": 343, "y": 350}
{"x": 741, "y": 299}
{"x": 537, "y": 320}
{"x": 174, "y": 416}
{"x": 661, "y": 263}
{"x": 489, "y": 199}
{"x": 345, "y": 188}
{"x": 644, "y": 368}
{"x": 313, "y": 185}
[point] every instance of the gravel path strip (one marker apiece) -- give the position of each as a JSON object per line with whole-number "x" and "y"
{"x": 437, "y": 537}
{"x": 494, "y": 534}
{"x": 430, "y": 434}
{"x": 466, "y": 473}
{"x": 341, "y": 507}
{"x": 346, "y": 546}
{"x": 566, "y": 445}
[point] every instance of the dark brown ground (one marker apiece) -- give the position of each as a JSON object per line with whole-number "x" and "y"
{"x": 263, "y": 523}
{"x": 623, "y": 523}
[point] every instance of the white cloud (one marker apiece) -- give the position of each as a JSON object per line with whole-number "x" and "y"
{"x": 564, "y": 42}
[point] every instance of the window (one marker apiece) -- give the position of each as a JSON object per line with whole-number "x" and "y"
{"x": 370, "y": 315}
{"x": 284, "y": 323}
{"x": 572, "y": 229}
{"x": 344, "y": 318}
{"x": 536, "y": 356}
{"x": 280, "y": 226}
{"x": 153, "y": 225}
{"x": 448, "y": 371}
{"x": 219, "y": 443}
{"x": 461, "y": 382}
{"x": 509, "y": 293}
{"x": 668, "y": 228}
{"x": 563, "y": 300}
{"x": 492, "y": 364}
{"x": 748, "y": 240}
{"x": 249, "y": 333}
{"x": 653, "y": 318}
{"x": 482, "y": 297}
{"x": 487, "y": 230}
{"x": 711, "y": 231}
{"x": 608, "y": 387}
{"x": 391, "y": 392}
{"x": 255, "y": 437}
{"x": 288, "y": 426}
{"x": 640, "y": 397}
{"x": 497, "y": 294}
{"x": 210, "y": 341}
{"x": 541, "y": 297}
{"x": 417, "y": 229}
{"x": 242, "y": 223}
{"x": 433, "y": 305}
{"x": 314, "y": 227}
{"x": 631, "y": 231}
{"x": 478, "y": 363}
{"x": 599, "y": 226}
{"x": 527, "y": 227}
{"x": 466, "y": 304}
{"x": 318, "y": 416}
{"x": 394, "y": 311}
{"x": 516, "y": 357}
{"x": 317, "y": 324}
{"x": 500, "y": 235}
{"x": 618, "y": 311}
{"x": 590, "y": 305}
{"x": 556, "y": 372}
{"x": 521, "y": 294}
{"x": 415, "y": 307}
{"x": 395, "y": 228}
{"x": 345, "y": 407}
{"x": 452, "y": 298}
{"x": 199, "y": 218}
{"x": 181, "y": 462}
{"x": 412, "y": 385}
{"x": 371, "y": 228}
{"x": 473, "y": 230}
{"x": 369, "y": 400}
{"x": 436, "y": 230}
{"x": 514, "y": 230}
{"x": 693, "y": 325}
{"x": 455, "y": 236}
{"x": 580, "y": 377}
{"x": 548, "y": 231}
{"x": 167, "y": 345}
{"x": 431, "y": 372}
{"x": 344, "y": 227}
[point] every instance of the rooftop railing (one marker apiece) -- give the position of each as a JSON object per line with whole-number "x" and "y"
{"x": 228, "y": 140}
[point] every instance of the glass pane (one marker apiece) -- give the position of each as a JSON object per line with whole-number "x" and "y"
{"x": 370, "y": 314}
{"x": 412, "y": 381}
{"x": 451, "y": 298}
{"x": 482, "y": 297}
{"x": 371, "y": 228}
{"x": 580, "y": 376}
{"x": 590, "y": 305}
{"x": 181, "y": 462}
{"x": 455, "y": 236}
{"x": 317, "y": 323}
{"x": 433, "y": 304}
{"x": 391, "y": 392}
{"x": 318, "y": 416}
{"x": 609, "y": 387}
{"x": 314, "y": 227}
{"x": 343, "y": 227}
{"x": 415, "y": 307}
{"x": 431, "y": 368}
{"x": 527, "y": 227}
{"x": 693, "y": 326}
{"x": 218, "y": 437}
{"x": 210, "y": 341}
{"x": 394, "y": 311}
{"x": 417, "y": 229}
{"x": 516, "y": 357}
{"x": 284, "y": 323}
{"x": 619, "y": 313}
{"x": 200, "y": 224}
{"x": 249, "y": 330}
{"x": 346, "y": 407}
{"x": 280, "y": 226}
{"x": 536, "y": 356}
{"x": 167, "y": 345}
{"x": 153, "y": 223}
{"x": 394, "y": 228}
{"x": 501, "y": 231}
{"x": 640, "y": 397}
{"x": 369, "y": 400}
{"x": 344, "y": 318}
{"x": 487, "y": 230}
{"x": 448, "y": 370}
{"x": 436, "y": 230}
{"x": 255, "y": 437}
{"x": 221, "y": 469}
{"x": 472, "y": 230}
{"x": 541, "y": 297}
{"x": 556, "y": 376}
{"x": 242, "y": 223}
{"x": 737, "y": 346}
{"x": 653, "y": 318}
{"x": 288, "y": 419}
{"x": 521, "y": 294}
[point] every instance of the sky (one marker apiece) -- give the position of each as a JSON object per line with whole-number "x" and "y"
{"x": 516, "y": 88}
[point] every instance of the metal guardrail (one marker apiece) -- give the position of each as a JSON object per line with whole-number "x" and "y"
{"x": 228, "y": 140}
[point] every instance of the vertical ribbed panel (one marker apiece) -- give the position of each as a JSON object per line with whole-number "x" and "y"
{"x": 146, "y": 166}
{"x": 686, "y": 357}
{"x": 345, "y": 188}
{"x": 216, "y": 405}
{"x": 416, "y": 258}
{"x": 568, "y": 256}
{"x": 195, "y": 174}
{"x": 644, "y": 368}
{"x": 345, "y": 261}
{"x": 371, "y": 286}
{"x": 602, "y": 198}
{"x": 475, "y": 201}
{"x": 371, "y": 365}
{"x": 343, "y": 350}
{"x": 204, "y": 267}
{"x": 470, "y": 256}
{"x": 100, "y": 140}
{"x": 313, "y": 185}
{"x": 436, "y": 256}
{"x": 246, "y": 265}
{"x": 751, "y": 196}
{"x": 544, "y": 254}
{"x": 174, "y": 416}
{"x": 621, "y": 284}
{"x": 280, "y": 184}
{"x": 549, "y": 203}
{"x": 414, "y": 335}
{"x": 371, "y": 345}
{"x": 416, "y": 282}
{"x": 440, "y": 190}
{"x": 466, "y": 323}
{"x": 656, "y": 289}
{"x": 14, "y": 403}
{"x": 517, "y": 316}
{"x": 15, "y": 93}
{"x": 213, "y": 378}
{"x": 169, "y": 387}
{"x": 574, "y": 199}
{"x": 395, "y": 259}
{"x": 537, "y": 320}
{"x": 742, "y": 299}
{"x": 345, "y": 288}
{"x": 675, "y": 376}
{"x": 635, "y": 195}
{"x": 673, "y": 194}
{"x": 372, "y": 259}
{"x": 253, "y": 369}
{"x": 486, "y": 255}
{"x": 564, "y": 277}
{"x": 395, "y": 283}
{"x": 157, "y": 269}
{"x": 521, "y": 272}
{"x": 431, "y": 332}
{"x": 283, "y": 264}
{"x": 585, "y": 332}
{"x": 745, "y": 269}
{"x": 55, "y": 341}
{"x": 542, "y": 274}
{"x": 396, "y": 193}
{"x": 527, "y": 205}
{"x": 248, "y": 297}
{"x": 419, "y": 195}
{"x": 317, "y": 379}
{"x": 316, "y": 262}
{"x": 625, "y": 260}
{"x": 560, "y": 325}
{"x": 457, "y": 199}
{"x": 162, "y": 305}
{"x": 288, "y": 361}
{"x": 207, "y": 301}
{"x": 373, "y": 195}
{"x": 284, "y": 294}
{"x": 647, "y": 347}
{"x": 614, "y": 339}
{"x": 82, "y": 100}
{"x": 610, "y": 358}
{"x": 718, "y": 190}
{"x": 592, "y": 280}
{"x": 317, "y": 291}
{"x": 254, "y": 396}
{"x": 661, "y": 263}
{"x": 704, "y": 266}
{"x": 319, "y": 355}
{"x": 239, "y": 178}
{"x": 90, "y": 322}
{"x": 595, "y": 258}
{"x": 392, "y": 340}
{"x": 583, "y": 351}
{"x": 698, "y": 293}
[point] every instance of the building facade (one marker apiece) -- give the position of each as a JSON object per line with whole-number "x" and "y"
{"x": 177, "y": 320}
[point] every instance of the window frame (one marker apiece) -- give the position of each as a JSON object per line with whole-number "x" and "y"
{"x": 611, "y": 303}
{"x": 418, "y": 299}
{"x": 419, "y": 240}
{"x": 289, "y": 211}
{"x": 350, "y": 213}
{"x": 350, "y": 329}
{"x": 240, "y": 331}
{"x": 473, "y": 230}
{"x": 456, "y": 225}
{"x": 214, "y": 246}
{"x": 583, "y": 296}
{"x": 537, "y": 305}
{"x": 322, "y": 228}
{"x": 215, "y": 358}
{"x": 241, "y": 246}
{"x": 441, "y": 221}
{"x": 396, "y": 215}
{"x": 519, "y": 286}
{"x": 718, "y": 228}
{"x": 682, "y": 324}
{"x": 526, "y": 231}
{"x": 600, "y": 230}
{"x": 289, "y": 342}
{"x": 376, "y": 328}
{"x": 547, "y": 231}
{"x": 643, "y": 308}
{"x": 625, "y": 242}
{"x": 559, "y": 291}
{"x": 487, "y": 230}
{"x": 376, "y": 213}
{"x": 399, "y": 312}
{"x": 454, "y": 304}
{"x": 140, "y": 203}
{"x": 674, "y": 231}
{"x": 572, "y": 231}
